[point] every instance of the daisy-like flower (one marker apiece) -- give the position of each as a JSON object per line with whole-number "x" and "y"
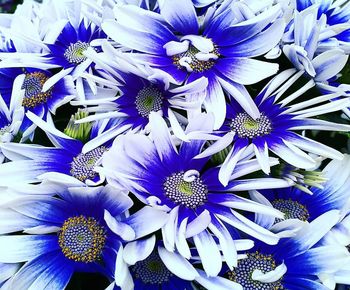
{"x": 277, "y": 127}
{"x": 140, "y": 92}
{"x": 295, "y": 262}
{"x": 68, "y": 49}
{"x": 27, "y": 87}
{"x": 75, "y": 232}
{"x": 300, "y": 207}
{"x": 339, "y": 235}
{"x": 61, "y": 46}
{"x": 148, "y": 265}
{"x": 67, "y": 161}
{"x": 337, "y": 14}
{"x": 221, "y": 48}
{"x": 180, "y": 184}
{"x": 302, "y": 42}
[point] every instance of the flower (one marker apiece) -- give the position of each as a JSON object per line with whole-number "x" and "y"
{"x": 62, "y": 45}
{"x": 68, "y": 49}
{"x": 174, "y": 42}
{"x": 179, "y": 183}
{"x": 74, "y": 232}
{"x": 295, "y": 262}
{"x": 337, "y": 16}
{"x": 295, "y": 204}
{"x": 147, "y": 265}
{"x": 275, "y": 129}
{"x": 68, "y": 160}
{"x": 26, "y": 86}
{"x": 301, "y": 47}
{"x": 140, "y": 92}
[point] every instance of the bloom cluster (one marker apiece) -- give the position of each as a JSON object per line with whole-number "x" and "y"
{"x": 175, "y": 145}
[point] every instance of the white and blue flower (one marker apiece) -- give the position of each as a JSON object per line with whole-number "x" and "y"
{"x": 221, "y": 48}
{"x": 179, "y": 183}
{"x": 301, "y": 47}
{"x": 148, "y": 265}
{"x": 277, "y": 127}
{"x": 139, "y": 91}
{"x": 337, "y": 15}
{"x": 295, "y": 262}
{"x": 74, "y": 232}
{"x": 68, "y": 160}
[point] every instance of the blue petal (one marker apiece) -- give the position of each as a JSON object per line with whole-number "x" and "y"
{"x": 48, "y": 271}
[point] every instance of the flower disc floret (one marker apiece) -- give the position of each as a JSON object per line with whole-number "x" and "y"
{"x": 246, "y": 127}
{"x": 190, "y": 194}
{"x": 32, "y": 85}
{"x": 149, "y": 99}
{"x": 242, "y": 274}
{"x": 152, "y": 270}
{"x": 82, "y": 239}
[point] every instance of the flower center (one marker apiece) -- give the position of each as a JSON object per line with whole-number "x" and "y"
{"x": 192, "y": 60}
{"x": 75, "y": 52}
{"x": 151, "y": 270}
{"x": 242, "y": 274}
{"x": 32, "y": 86}
{"x": 246, "y": 127}
{"x": 291, "y": 209}
{"x": 82, "y": 239}
{"x": 188, "y": 193}
{"x": 83, "y": 165}
{"x": 149, "y": 99}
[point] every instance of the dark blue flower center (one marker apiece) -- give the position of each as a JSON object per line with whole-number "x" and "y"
{"x": 82, "y": 239}
{"x": 151, "y": 270}
{"x": 32, "y": 86}
{"x": 291, "y": 209}
{"x": 246, "y": 127}
{"x": 149, "y": 99}
{"x": 242, "y": 274}
{"x": 83, "y": 165}
{"x": 75, "y": 52}
{"x": 190, "y": 194}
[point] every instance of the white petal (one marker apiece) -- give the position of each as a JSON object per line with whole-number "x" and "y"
{"x": 200, "y": 223}
{"x": 161, "y": 136}
{"x": 137, "y": 221}
{"x": 262, "y": 155}
{"x": 121, "y": 229}
{"x": 122, "y": 275}
{"x": 217, "y": 283}
{"x": 177, "y": 265}
{"x": 208, "y": 252}
{"x": 219, "y": 145}
{"x": 181, "y": 242}
{"x": 138, "y": 250}
{"x": 271, "y": 276}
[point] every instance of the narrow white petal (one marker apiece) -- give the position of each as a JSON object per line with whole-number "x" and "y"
{"x": 177, "y": 265}
{"x": 209, "y": 253}
{"x": 271, "y": 276}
